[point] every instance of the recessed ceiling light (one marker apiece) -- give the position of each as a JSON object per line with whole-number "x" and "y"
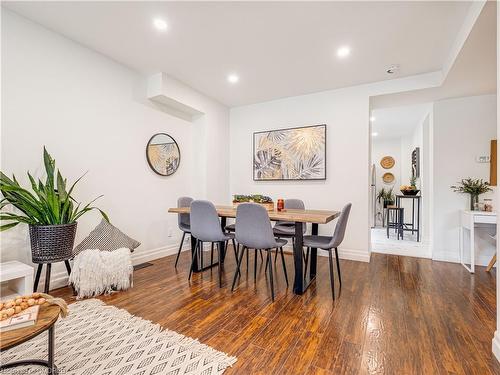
{"x": 374, "y": 134}
{"x": 233, "y": 78}
{"x": 160, "y": 24}
{"x": 372, "y": 118}
{"x": 343, "y": 51}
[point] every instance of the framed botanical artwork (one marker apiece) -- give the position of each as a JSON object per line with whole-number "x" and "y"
{"x": 290, "y": 154}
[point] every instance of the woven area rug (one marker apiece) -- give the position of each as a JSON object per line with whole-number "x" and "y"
{"x": 97, "y": 339}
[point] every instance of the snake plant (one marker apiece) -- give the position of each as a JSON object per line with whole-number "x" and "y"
{"x": 47, "y": 203}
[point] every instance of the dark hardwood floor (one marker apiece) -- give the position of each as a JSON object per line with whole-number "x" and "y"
{"x": 395, "y": 315}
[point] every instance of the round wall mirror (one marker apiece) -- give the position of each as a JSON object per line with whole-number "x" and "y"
{"x": 163, "y": 154}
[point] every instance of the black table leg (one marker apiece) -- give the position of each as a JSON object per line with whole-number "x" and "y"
{"x": 313, "y": 254}
{"x": 298, "y": 284}
{"x": 52, "y": 368}
{"x": 193, "y": 249}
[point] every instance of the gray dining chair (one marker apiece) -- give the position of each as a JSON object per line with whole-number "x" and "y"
{"x": 183, "y": 222}
{"x": 330, "y": 244}
{"x": 231, "y": 228}
{"x": 206, "y": 227}
{"x": 254, "y": 231}
{"x": 286, "y": 229}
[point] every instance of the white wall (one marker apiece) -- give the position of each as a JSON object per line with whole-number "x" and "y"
{"x": 462, "y": 130}
{"x": 346, "y": 114}
{"x": 92, "y": 115}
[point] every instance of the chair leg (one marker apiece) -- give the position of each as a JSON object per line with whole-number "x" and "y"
{"x": 212, "y": 253}
{"x": 201, "y": 256}
{"x": 220, "y": 248}
{"x": 284, "y": 266}
{"x": 267, "y": 263}
{"x": 338, "y": 266}
{"x": 247, "y": 260}
{"x": 194, "y": 257}
{"x": 261, "y": 257}
{"x": 275, "y": 256}
{"x": 238, "y": 264}
{"x": 37, "y": 276}
{"x": 234, "y": 248}
{"x": 180, "y": 249}
{"x": 269, "y": 256}
{"x": 332, "y": 282}
{"x": 47, "y": 278}
{"x": 255, "y": 266}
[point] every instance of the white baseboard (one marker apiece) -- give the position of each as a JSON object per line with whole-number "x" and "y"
{"x": 495, "y": 345}
{"x": 348, "y": 254}
{"x": 60, "y": 279}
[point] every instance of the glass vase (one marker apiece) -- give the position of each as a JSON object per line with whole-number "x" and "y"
{"x": 474, "y": 202}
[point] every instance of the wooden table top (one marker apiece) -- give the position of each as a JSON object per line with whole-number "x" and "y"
{"x": 47, "y": 316}
{"x": 301, "y": 216}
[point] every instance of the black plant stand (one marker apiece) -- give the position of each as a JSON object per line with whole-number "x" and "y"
{"x": 47, "y": 275}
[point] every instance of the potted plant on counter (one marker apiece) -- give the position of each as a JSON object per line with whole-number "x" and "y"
{"x": 49, "y": 209}
{"x": 473, "y": 187}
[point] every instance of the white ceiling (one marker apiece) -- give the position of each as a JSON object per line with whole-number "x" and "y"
{"x": 398, "y": 122}
{"x": 278, "y": 49}
{"x": 474, "y": 71}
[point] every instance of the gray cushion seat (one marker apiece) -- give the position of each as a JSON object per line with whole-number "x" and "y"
{"x": 286, "y": 228}
{"x": 321, "y": 242}
{"x": 184, "y": 223}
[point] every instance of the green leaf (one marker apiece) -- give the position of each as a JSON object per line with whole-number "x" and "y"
{"x": 7, "y": 226}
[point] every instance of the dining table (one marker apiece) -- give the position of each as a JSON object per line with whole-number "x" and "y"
{"x": 297, "y": 216}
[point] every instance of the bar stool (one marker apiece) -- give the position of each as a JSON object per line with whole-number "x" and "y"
{"x": 395, "y": 219}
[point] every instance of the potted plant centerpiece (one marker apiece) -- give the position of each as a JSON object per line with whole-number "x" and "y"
{"x": 263, "y": 200}
{"x": 49, "y": 209}
{"x": 473, "y": 187}
{"x": 386, "y": 197}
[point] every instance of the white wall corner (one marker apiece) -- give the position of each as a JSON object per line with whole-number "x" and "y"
{"x": 162, "y": 89}
{"x": 495, "y": 344}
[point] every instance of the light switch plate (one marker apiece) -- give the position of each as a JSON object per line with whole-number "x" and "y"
{"x": 483, "y": 159}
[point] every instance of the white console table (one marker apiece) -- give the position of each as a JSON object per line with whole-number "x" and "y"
{"x": 16, "y": 279}
{"x": 468, "y": 220}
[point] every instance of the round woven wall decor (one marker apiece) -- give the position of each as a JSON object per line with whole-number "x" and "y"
{"x": 387, "y": 162}
{"x": 388, "y": 178}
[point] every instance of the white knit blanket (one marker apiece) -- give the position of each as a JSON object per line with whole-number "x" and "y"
{"x": 96, "y": 272}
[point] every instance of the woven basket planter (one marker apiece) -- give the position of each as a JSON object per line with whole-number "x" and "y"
{"x": 52, "y": 243}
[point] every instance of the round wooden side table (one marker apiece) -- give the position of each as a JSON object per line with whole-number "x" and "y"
{"x": 47, "y": 317}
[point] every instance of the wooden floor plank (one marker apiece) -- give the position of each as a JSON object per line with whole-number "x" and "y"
{"x": 394, "y": 315}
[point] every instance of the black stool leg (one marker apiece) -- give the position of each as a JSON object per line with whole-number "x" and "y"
{"x": 388, "y": 220}
{"x": 37, "y": 277}
{"x": 47, "y": 278}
